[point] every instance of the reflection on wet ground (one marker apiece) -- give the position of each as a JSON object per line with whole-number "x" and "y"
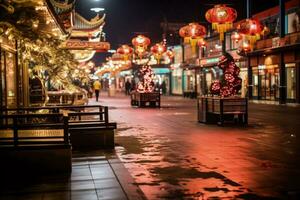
{"x": 171, "y": 156}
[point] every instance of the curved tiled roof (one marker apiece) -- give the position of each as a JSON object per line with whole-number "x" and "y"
{"x": 61, "y": 8}
{"x": 83, "y": 24}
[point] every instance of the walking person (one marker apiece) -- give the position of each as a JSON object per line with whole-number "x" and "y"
{"x": 97, "y": 87}
{"x": 127, "y": 87}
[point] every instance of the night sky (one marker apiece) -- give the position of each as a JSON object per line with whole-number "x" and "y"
{"x": 126, "y": 18}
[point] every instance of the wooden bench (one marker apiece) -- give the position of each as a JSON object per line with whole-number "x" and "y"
{"x": 218, "y": 110}
{"x": 91, "y": 130}
{"x": 37, "y": 142}
{"x": 151, "y": 99}
{"x": 89, "y": 125}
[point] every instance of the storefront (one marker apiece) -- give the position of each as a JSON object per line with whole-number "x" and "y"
{"x": 121, "y": 79}
{"x": 8, "y": 73}
{"x": 177, "y": 71}
{"x": 162, "y": 79}
{"x": 266, "y": 76}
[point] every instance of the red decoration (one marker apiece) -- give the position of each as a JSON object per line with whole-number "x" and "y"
{"x": 232, "y": 83}
{"x": 170, "y": 54}
{"x": 236, "y": 37}
{"x": 192, "y": 33}
{"x": 215, "y": 87}
{"x": 252, "y": 29}
{"x": 201, "y": 43}
{"x": 125, "y": 50}
{"x": 140, "y": 43}
{"x": 184, "y": 33}
{"x": 157, "y": 50}
{"x": 221, "y": 18}
{"x": 146, "y": 83}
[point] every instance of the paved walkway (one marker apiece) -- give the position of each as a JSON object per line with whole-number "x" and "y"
{"x": 172, "y": 156}
{"x": 95, "y": 175}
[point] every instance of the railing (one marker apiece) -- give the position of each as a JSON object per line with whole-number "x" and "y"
{"x": 292, "y": 38}
{"x": 18, "y": 129}
{"x": 103, "y": 110}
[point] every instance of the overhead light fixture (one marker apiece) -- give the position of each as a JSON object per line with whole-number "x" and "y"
{"x": 97, "y": 9}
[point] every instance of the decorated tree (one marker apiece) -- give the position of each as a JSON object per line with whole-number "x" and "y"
{"x": 230, "y": 83}
{"x": 145, "y": 84}
{"x": 21, "y": 20}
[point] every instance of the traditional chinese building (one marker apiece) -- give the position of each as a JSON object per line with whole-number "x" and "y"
{"x": 20, "y": 29}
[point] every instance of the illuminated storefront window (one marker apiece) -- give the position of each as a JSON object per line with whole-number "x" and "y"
{"x": 291, "y": 80}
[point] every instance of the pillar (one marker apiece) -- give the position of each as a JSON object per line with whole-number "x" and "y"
{"x": 282, "y": 86}
{"x": 250, "y": 82}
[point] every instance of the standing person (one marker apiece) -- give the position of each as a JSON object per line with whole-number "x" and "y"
{"x": 133, "y": 86}
{"x": 97, "y": 87}
{"x": 164, "y": 88}
{"x": 127, "y": 87}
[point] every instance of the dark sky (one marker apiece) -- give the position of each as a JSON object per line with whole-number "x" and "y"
{"x": 125, "y": 18}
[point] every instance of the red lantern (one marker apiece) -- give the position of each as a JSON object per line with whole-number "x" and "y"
{"x": 201, "y": 43}
{"x": 184, "y": 33}
{"x": 236, "y": 37}
{"x": 222, "y": 18}
{"x": 265, "y": 31}
{"x": 170, "y": 54}
{"x": 252, "y": 29}
{"x": 141, "y": 40}
{"x": 245, "y": 47}
{"x": 140, "y": 43}
{"x": 158, "y": 49}
{"x": 125, "y": 50}
{"x": 193, "y": 33}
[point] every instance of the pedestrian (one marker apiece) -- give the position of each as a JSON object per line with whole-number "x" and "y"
{"x": 164, "y": 88}
{"x": 127, "y": 87}
{"x": 133, "y": 85}
{"x": 97, "y": 87}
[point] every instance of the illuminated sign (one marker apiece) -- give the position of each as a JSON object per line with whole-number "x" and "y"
{"x": 209, "y": 61}
{"x": 161, "y": 70}
{"x": 84, "y": 45}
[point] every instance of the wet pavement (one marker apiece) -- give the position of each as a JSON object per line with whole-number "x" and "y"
{"x": 172, "y": 156}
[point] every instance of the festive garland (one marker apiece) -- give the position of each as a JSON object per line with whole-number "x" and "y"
{"x": 231, "y": 82}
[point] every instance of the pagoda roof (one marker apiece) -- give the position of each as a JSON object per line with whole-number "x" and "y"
{"x": 61, "y": 8}
{"x": 85, "y": 25}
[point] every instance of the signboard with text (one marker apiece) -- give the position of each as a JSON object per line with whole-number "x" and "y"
{"x": 84, "y": 45}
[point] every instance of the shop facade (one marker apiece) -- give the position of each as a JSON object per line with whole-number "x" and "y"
{"x": 177, "y": 71}
{"x": 267, "y": 72}
{"x": 8, "y": 73}
{"x": 274, "y": 64}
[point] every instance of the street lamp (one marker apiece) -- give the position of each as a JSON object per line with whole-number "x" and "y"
{"x": 97, "y": 10}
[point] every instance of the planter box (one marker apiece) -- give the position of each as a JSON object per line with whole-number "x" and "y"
{"x": 217, "y": 110}
{"x": 36, "y": 159}
{"x": 92, "y": 138}
{"x": 145, "y": 99}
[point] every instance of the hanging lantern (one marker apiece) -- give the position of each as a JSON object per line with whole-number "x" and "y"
{"x": 184, "y": 33}
{"x": 157, "y": 50}
{"x": 125, "y": 50}
{"x": 245, "y": 48}
{"x": 170, "y": 54}
{"x": 252, "y": 29}
{"x": 236, "y": 37}
{"x": 222, "y": 18}
{"x": 201, "y": 43}
{"x": 140, "y": 43}
{"x": 265, "y": 31}
{"x": 193, "y": 32}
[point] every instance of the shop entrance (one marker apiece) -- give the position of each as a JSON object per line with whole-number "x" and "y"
{"x": 268, "y": 80}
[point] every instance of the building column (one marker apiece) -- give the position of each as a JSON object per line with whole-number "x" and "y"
{"x": 282, "y": 86}
{"x": 250, "y": 81}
